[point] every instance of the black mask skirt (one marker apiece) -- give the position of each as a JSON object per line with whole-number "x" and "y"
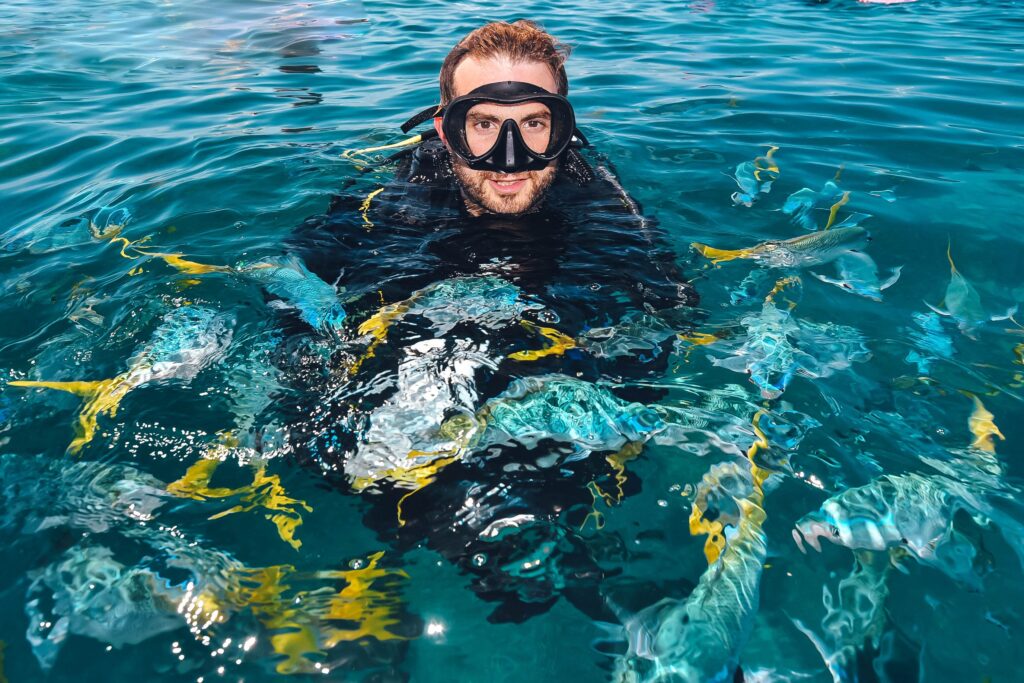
{"x": 485, "y": 141}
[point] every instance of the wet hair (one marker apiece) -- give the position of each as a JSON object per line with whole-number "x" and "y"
{"x": 519, "y": 41}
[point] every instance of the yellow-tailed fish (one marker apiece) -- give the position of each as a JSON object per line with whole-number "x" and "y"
{"x": 187, "y": 340}
{"x": 699, "y": 639}
{"x": 316, "y": 301}
{"x": 755, "y": 178}
{"x": 800, "y": 204}
{"x": 806, "y": 250}
{"x": 983, "y": 427}
{"x": 265, "y": 493}
{"x": 962, "y": 301}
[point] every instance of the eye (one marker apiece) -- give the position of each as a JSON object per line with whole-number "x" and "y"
{"x": 834, "y": 530}
{"x": 535, "y": 124}
{"x": 484, "y": 125}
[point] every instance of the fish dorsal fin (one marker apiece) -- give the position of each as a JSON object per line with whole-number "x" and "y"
{"x": 949, "y": 255}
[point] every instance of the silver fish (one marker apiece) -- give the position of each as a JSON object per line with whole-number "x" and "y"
{"x": 858, "y": 274}
{"x": 316, "y": 301}
{"x": 565, "y": 409}
{"x": 800, "y": 203}
{"x": 909, "y": 511}
{"x": 698, "y": 640}
{"x": 187, "y": 340}
{"x": 963, "y": 303}
{"x": 755, "y": 178}
{"x": 777, "y": 348}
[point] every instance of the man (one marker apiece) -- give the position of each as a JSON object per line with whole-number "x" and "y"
{"x": 519, "y": 53}
{"x": 513, "y": 273}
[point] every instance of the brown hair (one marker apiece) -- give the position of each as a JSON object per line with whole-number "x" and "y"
{"x": 520, "y": 41}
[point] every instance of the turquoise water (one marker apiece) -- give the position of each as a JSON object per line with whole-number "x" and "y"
{"x": 218, "y": 131}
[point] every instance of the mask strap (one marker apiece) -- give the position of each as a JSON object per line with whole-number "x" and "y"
{"x": 428, "y": 113}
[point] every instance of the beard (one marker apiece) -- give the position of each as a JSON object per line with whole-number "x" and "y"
{"x": 481, "y": 197}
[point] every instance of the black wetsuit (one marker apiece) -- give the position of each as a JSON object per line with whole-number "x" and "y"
{"x": 591, "y": 257}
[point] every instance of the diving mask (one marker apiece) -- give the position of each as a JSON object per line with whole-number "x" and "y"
{"x": 484, "y": 130}
{"x": 506, "y": 127}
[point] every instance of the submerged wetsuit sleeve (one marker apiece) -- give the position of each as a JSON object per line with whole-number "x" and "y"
{"x": 344, "y": 247}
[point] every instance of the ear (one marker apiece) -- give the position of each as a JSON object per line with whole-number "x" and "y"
{"x": 440, "y": 133}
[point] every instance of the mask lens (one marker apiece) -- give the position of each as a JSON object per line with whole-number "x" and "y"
{"x": 484, "y": 121}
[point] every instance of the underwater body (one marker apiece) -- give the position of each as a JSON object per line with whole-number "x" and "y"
{"x": 268, "y": 415}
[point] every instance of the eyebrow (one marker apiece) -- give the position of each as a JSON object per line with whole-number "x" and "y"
{"x": 536, "y": 114}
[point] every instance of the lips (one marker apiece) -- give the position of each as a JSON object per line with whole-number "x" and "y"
{"x": 507, "y": 185}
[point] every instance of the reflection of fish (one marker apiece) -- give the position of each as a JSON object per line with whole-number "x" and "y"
{"x": 963, "y": 303}
{"x": 911, "y": 511}
{"x": 87, "y": 592}
{"x": 698, "y": 639}
{"x": 800, "y": 203}
{"x": 932, "y": 343}
{"x": 755, "y": 178}
{"x": 188, "y": 339}
{"x": 854, "y": 616}
{"x": 858, "y": 274}
{"x": 806, "y": 250}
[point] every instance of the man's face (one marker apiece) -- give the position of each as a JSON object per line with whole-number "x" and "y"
{"x": 505, "y": 193}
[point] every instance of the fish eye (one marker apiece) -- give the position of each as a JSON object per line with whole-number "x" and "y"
{"x": 834, "y": 530}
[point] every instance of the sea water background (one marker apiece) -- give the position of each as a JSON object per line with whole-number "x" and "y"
{"x": 221, "y": 127}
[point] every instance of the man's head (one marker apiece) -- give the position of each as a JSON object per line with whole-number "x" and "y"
{"x": 497, "y": 52}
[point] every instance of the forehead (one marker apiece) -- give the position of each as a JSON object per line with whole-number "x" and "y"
{"x": 473, "y": 72}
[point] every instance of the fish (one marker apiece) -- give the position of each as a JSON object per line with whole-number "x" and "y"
{"x": 800, "y": 203}
{"x": 858, "y": 274}
{"x": 638, "y": 335}
{"x": 316, "y": 301}
{"x": 982, "y": 425}
{"x": 778, "y": 347}
{"x": 188, "y": 339}
{"x": 82, "y": 495}
{"x": 564, "y": 409}
{"x": 812, "y": 249}
{"x": 103, "y": 224}
{"x": 910, "y": 511}
{"x": 755, "y": 178}
{"x": 698, "y": 639}
{"x": 963, "y": 303}
{"x": 404, "y": 439}
{"x": 167, "y": 580}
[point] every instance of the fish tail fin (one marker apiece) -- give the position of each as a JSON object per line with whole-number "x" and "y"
{"x": 1010, "y": 312}
{"x": 101, "y": 396}
{"x": 949, "y": 254}
{"x": 82, "y": 389}
{"x": 719, "y": 255}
